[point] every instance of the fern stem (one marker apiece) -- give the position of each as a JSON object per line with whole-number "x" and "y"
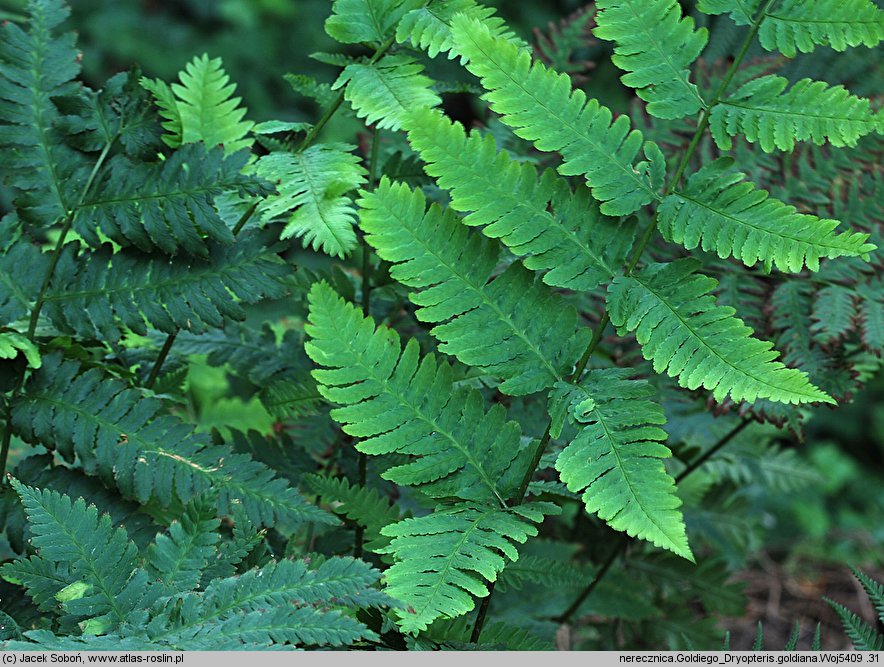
{"x": 245, "y": 218}
{"x": 339, "y": 100}
{"x": 624, "y": 541}
{"x": 482, "y": 615}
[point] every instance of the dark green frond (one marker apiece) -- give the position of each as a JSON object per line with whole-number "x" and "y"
{"x": 176, "y": 560}
{"x": 429, "y": 27}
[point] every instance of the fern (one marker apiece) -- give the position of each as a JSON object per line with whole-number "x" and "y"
{"x": 12, "y": 343}
{"x": 655, "y": 45}
{"x": 382, "y": 93}
{"x": 166, "y": 205}
{"x": 429, "y": 27}
{"x": 354, "y": 21}
{"x": 201, "y": 107}
{"x": 132, "y": 290}
{"x": 312, "y": 188}
{"x": 433, "y": 252}
{"x": 764, "y": 112}
{"x": 399, "y": 403}
{"x": 800, "y": 26}
{"x": 720, "y": 212}
{"x": 577, "y": 246}
{"x": 445, "y": 558}
{"x": 615, "y": 459}
{"x": 686, "y": 335}
{"x": 541, "y": 107}
{"x": 117, "y": 433}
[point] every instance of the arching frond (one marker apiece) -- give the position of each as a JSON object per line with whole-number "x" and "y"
{"x": 721, "y": 212}
{"x": 656, "y": 46}
{"x": 541, "y": 107}
{"x": 679, "y": 326}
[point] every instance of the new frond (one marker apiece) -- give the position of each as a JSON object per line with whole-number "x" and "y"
{"x": 763, "y": 111}
{"x": 383, "y": 92}
{"x": 721, "y": 212}
{"x": 541, "y": 107}
{"x": 686, "y": 334}
{"x": 512, "y": 327}
{"x": 312, "y": 199}
{"x": 656, "y": 46}
{"x": 97, "y": 293}
{"x": 119, "y": 434}
{"x": 397, "y": 403}
{"x": 616, "y": 459}
{"x": 574, "y": 244}
{"x": 445, "y": 559}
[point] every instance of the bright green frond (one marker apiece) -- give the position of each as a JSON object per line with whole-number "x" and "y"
{"x": 121, "y": 435}
{"x": 541, "y": 107}
{"x": 12, "y": 343}
{"x": 574, "y": 244}
{"x": 176, "y": 560}
{"x": 721, "y": 212}
{"x": 104, "y": 582}
{"x": 616, "y": 459}
{"x": 383, "y": 92}
{"x": 202, "y": 107}
{"x": 671, "y": 309}
{"x": 166, "y": 205}
{"x": 396, "y": 402}
{"x": 429, "y": 27}
{"x": 513, "y": 327}
{"x": 444, "y": 559}
{"x": 355, "y": 21}
{"x": 312, "y": 200}
{"x": 799, "y": 25}
{"x": 36, "y": 66}
{"x": 656, "y": 46}
{"x": 763, "y": 111}
{"x": 99, "y": 293}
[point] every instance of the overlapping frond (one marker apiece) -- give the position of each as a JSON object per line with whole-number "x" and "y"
{"x": 541, "y": 107}
{"x": 721, "y": 212}
{"x": 797, "y": 25}
{"x": 36, "y": 66}
{"x": 574, "y": 244}
{"x": 202, "y": 107}
{"x": 395, "y": 402}
{"x": 615, "y": 460}
{"x": 355, "y": 21}
{"x": 444, "y": 559}
{"x": 513, "y": 327}
{"x": 429, "y": 27}
{"x": 166, "y": 205}
{"x": 121, "y": 435}
{"x": 763, "y": 111}
{"x": 383, "y": 92}
{"x": 312, "y": 200}
{"x": 103, "y": 582}
{"x": 680, "y": 327}
{"x": 656, "y": 46}
{"x": 97, "y": 293}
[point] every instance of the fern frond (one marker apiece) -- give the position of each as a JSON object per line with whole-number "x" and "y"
{"x": 312, "y": 195}
{"x": 22, "y": 268}
{"x": 429, "y": 27}
{"x": 616, "y": 459}
{"x": 166, "y": 205}
{"x": 119, "y": 434}
{"x": 763, "y": 111}
{"x": 575, "y": 244}
{"x": 398, "y": 403}
{"x": 871, "y": 316}
{"x": 102, "y": 559}
{"x": 12, "y": 343}
{"x": 355, "y": 21}
{"x": 35, "y": 67}
{"x": 291, "y": 399}
{"x": 795, "y": 25}
{"x": 863, "y": 635}
{"x": 874, "y": 589}
{"x": 512, "y": 327}
{"x": 94, "y": 294}
{"x": 383, "y": 92}
{"x": 656, "y": 46}
{"x": 679, "y": 326}
{"x": 445, "y": 558}
{"x": 204, "y": 107}
{"x": 42, "y": 579}
{"x": 834, "y": 310}
{"x": 541, "y": 107}
{"x": 176, "y": 561}
{"x": 721, "y": 212}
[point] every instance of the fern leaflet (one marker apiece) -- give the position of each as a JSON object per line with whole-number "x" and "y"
{"x": 354, "y": 21}
{"x": 429, "y": 27}
{"x": 176, "y": 561}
